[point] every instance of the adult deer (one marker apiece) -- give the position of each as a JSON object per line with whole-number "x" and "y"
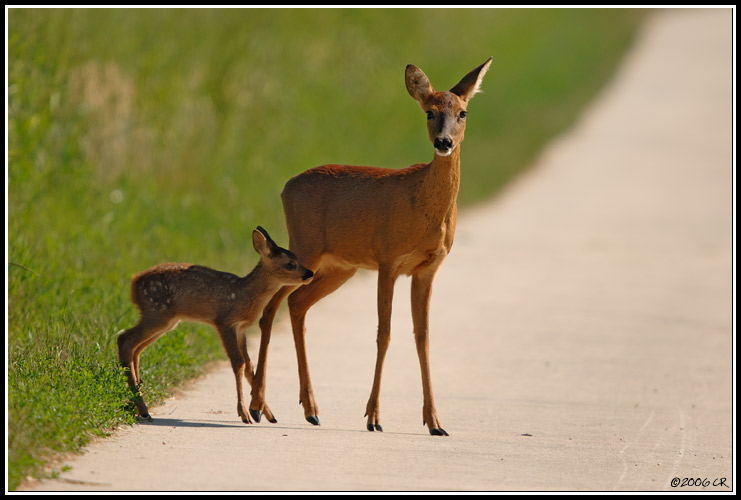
{"x": 341, "y": 218}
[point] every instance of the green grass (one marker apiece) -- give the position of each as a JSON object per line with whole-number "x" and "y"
{"x": 142, "y": 136}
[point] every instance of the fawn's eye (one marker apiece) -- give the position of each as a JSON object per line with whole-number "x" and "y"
{"x": 462, "y": 115}
{"x": 290, "y": 266}
{"x": 430, "y": 115}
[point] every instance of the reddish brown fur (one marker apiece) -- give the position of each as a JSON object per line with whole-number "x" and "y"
{"x": 341, "y": 218}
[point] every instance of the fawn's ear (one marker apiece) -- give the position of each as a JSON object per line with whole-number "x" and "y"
{"x": 471, "y": 83}
{"x": 262, "y": 242}
{"x": 418, "y": 85}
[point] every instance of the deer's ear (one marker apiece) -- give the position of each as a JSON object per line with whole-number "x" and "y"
{"x": 470, "y": 85}
{"x": 418, "y": 85}
{"x": 261, "y": 242}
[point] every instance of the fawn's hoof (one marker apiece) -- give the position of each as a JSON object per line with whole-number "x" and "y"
{"x": 146, "y": 417}
{"x": 257, "y": 415}
{"x": 438, "y": 432}
{"x": 313, "y": 420}
{"x": 273, "y": 420}
{"x": 375, "y": 427}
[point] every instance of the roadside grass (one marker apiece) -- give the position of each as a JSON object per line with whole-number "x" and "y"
{"x": 138, "y": 136}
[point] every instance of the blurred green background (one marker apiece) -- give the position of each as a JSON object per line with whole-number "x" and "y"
{"x": 138, "y": 136}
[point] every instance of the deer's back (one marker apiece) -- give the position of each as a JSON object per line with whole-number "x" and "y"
{"x": 193, "y": 292}
{"x": 364, "y": 216}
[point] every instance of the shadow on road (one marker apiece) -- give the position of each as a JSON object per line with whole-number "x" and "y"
{"x": 176, "y": 422}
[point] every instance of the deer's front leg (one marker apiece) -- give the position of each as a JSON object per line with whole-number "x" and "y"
{"x": 249, "y": 375}
{"x": 385, "y": 298}
{"x": 421, "y": 291}
{"x": 231, "y": 345}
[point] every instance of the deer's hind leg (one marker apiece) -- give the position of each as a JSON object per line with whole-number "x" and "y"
{"x": 131, "y": 343}
{"x": 257, "y": 404}
{"x": 151, "y": 339}
{"x": 326, "y": 280}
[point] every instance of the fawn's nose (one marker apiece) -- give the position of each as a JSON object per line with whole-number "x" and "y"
{"x": 443, "y": 143}
{"x": 308, "y": 275}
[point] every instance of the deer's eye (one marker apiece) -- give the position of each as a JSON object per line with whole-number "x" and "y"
{"x": 290, "y": 266}
{"x": 462, "y": 115}
{"x": 430, "y": 115}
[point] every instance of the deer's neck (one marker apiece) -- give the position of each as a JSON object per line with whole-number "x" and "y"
{"x": 258, "y": 286}
{"x": 443, "y": 179}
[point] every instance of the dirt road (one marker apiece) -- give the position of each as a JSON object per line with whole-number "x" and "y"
{"x": 581, "y": 329}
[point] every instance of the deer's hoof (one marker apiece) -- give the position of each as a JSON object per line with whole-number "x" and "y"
{"x": 257, "y": 415}
{"x": 313, "y": 420}
{"x": 273, "y": 420}
{"x": 438, "y": 432}
{"x": 375, "y": 427}
{"x": 146, "y": 417}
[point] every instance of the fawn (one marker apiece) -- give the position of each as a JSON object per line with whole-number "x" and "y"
{"x": 169, "y": 293}
{"x": 341, "y": 218}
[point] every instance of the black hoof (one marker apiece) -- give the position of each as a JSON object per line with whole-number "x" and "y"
{"x": 313, "y": 420}
{"x": 438, "y": 432}
{"x": 147, "y": 417}
{"x": 256, "y": 414}
{"x": 273, "y": 420}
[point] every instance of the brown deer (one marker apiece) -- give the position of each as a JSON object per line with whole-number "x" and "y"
{"x": 341, "y": 218}
{"x": 169, "y": 293}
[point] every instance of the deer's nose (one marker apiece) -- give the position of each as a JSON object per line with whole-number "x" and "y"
{"x": 308, "y": 275}
{"x": 443, "y": 143}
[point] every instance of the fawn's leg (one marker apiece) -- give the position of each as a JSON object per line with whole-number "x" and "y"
{"x": 249, "y": 375}
{"x": 386, "y": 282}
{"x": 257, "y": 404}
{"x": 326, "y": 280}
{"x": 421, "y": 291}
{"x": 229, "y": 338}
{"x": 151, "y": 339}
{"x": 130, "y": 345}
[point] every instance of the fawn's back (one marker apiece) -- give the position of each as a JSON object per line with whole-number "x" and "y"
{"x": 187, "y": 290}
